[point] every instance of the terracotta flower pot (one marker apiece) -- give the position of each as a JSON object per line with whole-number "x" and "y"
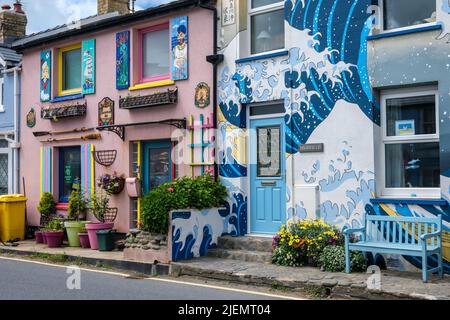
{"x": 38, "y": 235}
{"x": 54, "y": 239}
{"x": 92, "y": 228}
{"x": 84, "y": 240}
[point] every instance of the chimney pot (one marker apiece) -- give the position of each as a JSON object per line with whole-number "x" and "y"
{"x": 6, "y": 7}
{"x": 18, "y": 7}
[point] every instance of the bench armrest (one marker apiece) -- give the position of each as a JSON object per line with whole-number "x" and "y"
{"x": 431, "y": 235}
{"x": 350, "y": 231}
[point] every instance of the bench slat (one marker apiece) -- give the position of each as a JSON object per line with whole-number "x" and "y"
{"x": 413, "y": 233}
{"x": 407, "y": 232}
{"x": 405, "y": 219}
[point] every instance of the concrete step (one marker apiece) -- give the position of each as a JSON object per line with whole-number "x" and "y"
{"x": 241, "y": 255}
{"x": 259, "y": 244}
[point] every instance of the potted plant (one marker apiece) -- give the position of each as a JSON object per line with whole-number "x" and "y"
{"x": 84, "y": 238}
{"x": 99, "y": 206}
{"x": 76, "y": 211}
{"x": 112, "y": 183}
{"x": 54, "y": 233}
{"x": 39, "y": 236}
{"x": 47, "y": 209}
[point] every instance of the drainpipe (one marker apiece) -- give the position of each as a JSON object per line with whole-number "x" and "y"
{"x": 215, "y": 59}
{"x": 15, "y": 143}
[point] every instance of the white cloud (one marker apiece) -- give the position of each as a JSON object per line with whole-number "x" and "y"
{"x": 45, "y": 14}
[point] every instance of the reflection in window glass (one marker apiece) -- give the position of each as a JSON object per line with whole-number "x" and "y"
{"x": 411, "y": 116}
{"x": 412, "y": 165}
{"x": 71, "y": 69}
{"x": 269, "y": 152}
{"x": 404, "y": 13}
{"x": 160, "y": 167}
{"x": 267, "y": 31}
{"x": 70, "y": 171}
{"x": 155, "y": 53}
{"x": 261, "y": 3}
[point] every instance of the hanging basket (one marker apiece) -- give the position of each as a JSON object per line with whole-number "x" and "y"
{"x": 105, "y": 157}
{"x": 110, "y": 215}
{"x": 119, "y": 189}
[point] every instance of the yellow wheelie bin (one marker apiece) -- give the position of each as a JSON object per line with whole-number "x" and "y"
{"x": 12, "y": 217}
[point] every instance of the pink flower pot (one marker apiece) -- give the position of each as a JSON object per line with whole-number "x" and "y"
{"x": 44, "y": 238}
{"x": 92, "y": 228}
{"x": 54, "y": 239}
{"x": 38, "y": 235}
{"x": 84, "y": 240}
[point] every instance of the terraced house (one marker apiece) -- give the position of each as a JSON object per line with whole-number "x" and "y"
{"x": 331, "y": 108}
{"x": 108, "y": 94}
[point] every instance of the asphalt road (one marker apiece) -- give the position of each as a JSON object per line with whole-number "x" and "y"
{"x": 22, "y": 280}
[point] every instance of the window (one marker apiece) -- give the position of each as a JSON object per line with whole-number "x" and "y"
{"x": 406, "y": 13}
{"x": 410, "y": 144}
{"x": 70, "y": 70}
{"x": 155, "y": 53}
{"x": 266, "y": 25}
{"x": 69, "y": 171}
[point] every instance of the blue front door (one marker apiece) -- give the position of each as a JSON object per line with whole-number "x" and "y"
{"x": 157, "y": 168}
{"x": 267, "y": 175}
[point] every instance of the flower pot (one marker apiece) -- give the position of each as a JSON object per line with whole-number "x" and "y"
{"x": 38, "y": 235}
{"x": 84, "y": 240}
{"x": 54, "y": 239}
{"x": 105, "y": 240}
{"x": 92, "y": 228}
{"x": 44, "y": 238}
{"x": 72, "y": 229}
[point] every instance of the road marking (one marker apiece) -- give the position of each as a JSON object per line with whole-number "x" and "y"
{"x": 124, "y": 275}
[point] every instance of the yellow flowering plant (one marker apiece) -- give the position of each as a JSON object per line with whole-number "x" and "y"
{"x": 304, "y": 240}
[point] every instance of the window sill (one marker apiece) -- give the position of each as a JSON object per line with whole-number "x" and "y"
{"x": 263, "y": 56}
{"x": 67, "y": 97}
{"x": 388, "y": 34}
{"x": 62, "y": 206}
{"x": 418, "y": 201}
{"x": 153, "y": 84}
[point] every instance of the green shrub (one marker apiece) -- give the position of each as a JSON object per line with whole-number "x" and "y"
{"x": 287, "y": 256}
{"x": 77, "y": 205}
{"x": 184, "y": 193}
{"x": 332, "y": 259}
{"x": 55, "y": 225}
{"x": 47, "y": 205}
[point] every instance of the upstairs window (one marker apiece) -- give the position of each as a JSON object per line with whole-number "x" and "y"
{"x": 70, "y": 70}
{"x": 155, "y": 53}
{"x": 266, "y": 25}
{"x": 407, "y": 13}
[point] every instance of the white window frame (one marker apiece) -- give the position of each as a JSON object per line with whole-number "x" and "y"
{"x": 434, "y": 193}
{"x": 257, "y": 11}
{"x": 2, "y": 103}
{"x": 381, "y": 21}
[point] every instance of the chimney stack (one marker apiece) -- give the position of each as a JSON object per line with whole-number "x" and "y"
{"x": 107, "y": 6}
{"x": 13, "y": 23}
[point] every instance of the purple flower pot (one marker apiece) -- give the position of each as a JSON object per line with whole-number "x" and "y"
{"x": 44, "y": 238}
{"x": 84, "y": 240}
{"x": 92, "y": 229}
{"x": 38, "y": 235}
{"x": 54, "y": 239}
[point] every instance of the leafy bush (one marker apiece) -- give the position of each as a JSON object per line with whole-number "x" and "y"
{"x": 308, "y": 238}
{"x": 288, "y": 256}
{"x": 332, "y": 259}
{"x": 99, "y": 205}
{"x": 183, "y": 193}
{"x": 47, "y": 205}
{"x": 55, "y": 225}
{"x": 77, "y": 205}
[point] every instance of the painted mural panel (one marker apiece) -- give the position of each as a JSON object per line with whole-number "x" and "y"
{"x": 45, "y": 75}
{"x": 123, "y": 60}
{"x": 88, "y": 66}
{"x": 180, "y": 48}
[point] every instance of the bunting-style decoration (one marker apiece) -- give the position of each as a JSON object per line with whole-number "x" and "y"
{"x": 123, "y": 60}
{"x": 87, "y": 170}
{"x": 88, "y": 66}
{"x": 45, "y": 169}
{"x": 45, "y": 75}
{"x": 180, "y": 43}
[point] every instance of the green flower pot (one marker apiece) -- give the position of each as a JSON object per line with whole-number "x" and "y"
{"x": 73, "y": 228}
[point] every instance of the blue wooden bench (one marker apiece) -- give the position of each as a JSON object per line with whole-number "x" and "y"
{"x": 409, "y": 236}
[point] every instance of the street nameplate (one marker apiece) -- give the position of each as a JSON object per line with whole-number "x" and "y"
{"x": 311, "y": 147}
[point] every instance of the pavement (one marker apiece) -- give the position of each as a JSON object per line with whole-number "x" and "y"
{"x": 25, "y": 280}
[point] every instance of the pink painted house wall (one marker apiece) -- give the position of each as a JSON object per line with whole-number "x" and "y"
{"x": 200, "y": 45}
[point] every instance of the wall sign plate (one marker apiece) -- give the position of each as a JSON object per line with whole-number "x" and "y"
{"x": 202, "y": 95}
{"x": 106, "y": 112}
{"x": 311, "y": 147}
{"x": 31, "y": 118}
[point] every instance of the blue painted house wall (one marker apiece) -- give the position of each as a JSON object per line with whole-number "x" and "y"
{"x": 7, "y": 117}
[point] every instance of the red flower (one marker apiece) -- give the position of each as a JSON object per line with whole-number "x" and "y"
{"x": 171, "y": 189}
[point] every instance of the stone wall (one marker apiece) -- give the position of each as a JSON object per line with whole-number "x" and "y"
{"x": 12, "y": 25}
{"x": 147, "y": 247}
{"x": 106, "y": 6}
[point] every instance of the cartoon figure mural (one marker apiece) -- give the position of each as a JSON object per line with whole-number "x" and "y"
{"x": 46, "y": 61}
{"x": 180, "y": 48}
{"x": 324, "y": 82}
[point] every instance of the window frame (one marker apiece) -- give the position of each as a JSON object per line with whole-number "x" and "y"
{"x": 141, "y": 33}
{"x": 61, "y": 198}
{"x": 61, "y": 51}
{"x": 260, "y": 10}
{"x": 434, "y": 193}
{"x": 417, "y": 26}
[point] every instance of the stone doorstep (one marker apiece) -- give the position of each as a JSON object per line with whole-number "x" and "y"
{"x": 339, "y": 285}
{"x": 137, "y": 267}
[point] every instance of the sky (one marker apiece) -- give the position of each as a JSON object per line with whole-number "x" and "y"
{"x": 45, "y": 14}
